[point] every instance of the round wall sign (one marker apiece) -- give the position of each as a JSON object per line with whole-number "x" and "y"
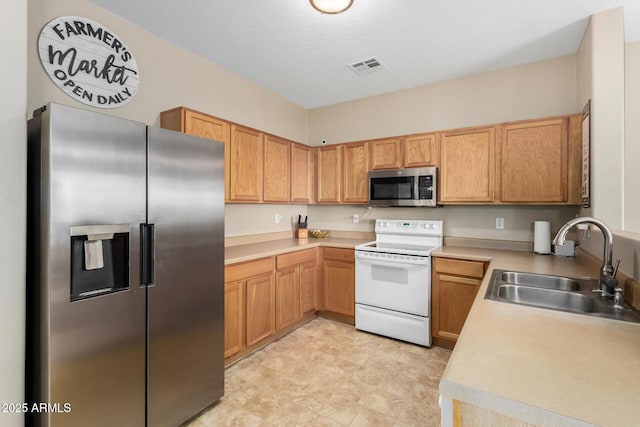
{"x": 88, "y": 61}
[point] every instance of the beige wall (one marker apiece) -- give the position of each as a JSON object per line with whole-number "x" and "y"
{"x": 607, "y": 51}
{"x": 632, "y": 138}
{"x": 242, "y": 219}
{"x": 459, "y": 221}
{"x": 584, "y": 79}
{"x": 534, "y": 90}
{"x": 170, "y": 77}
{"x": 13, "y": 74}
{"x": 607, "y": 74}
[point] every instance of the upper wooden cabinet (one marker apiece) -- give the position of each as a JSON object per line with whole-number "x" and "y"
{"x": 467, "y": 165}
{"x": 328, "y": 161}
{"x": 534, "y": 161}
{"x": 355, "y": 173}
{"x": 277, "y": 169}
{"x": 191, "y": 122}
{"x": 184, "y": 120}
{"x": 245, "y": 164}
{"x": 525, "y": 162}
{"x": 412, "y": 151}
{"x": 420, "y": 150}
{"x": 385, "y": 154}
{"x": 301, "y": 173}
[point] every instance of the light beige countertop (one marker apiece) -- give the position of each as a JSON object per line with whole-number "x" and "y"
{"x": 543, "y": 366}
{"x": 248, "y": 252}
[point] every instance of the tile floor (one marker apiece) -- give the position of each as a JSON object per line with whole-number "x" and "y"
{"x": 326, "y": 373}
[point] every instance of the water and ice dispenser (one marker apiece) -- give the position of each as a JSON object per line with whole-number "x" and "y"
{"x": 99, "y": 260}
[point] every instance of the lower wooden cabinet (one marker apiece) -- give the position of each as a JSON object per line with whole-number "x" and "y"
{"x": 455, "y": 284}
{"x": 267, "y": 297}
{"x": 260, "y": 308}
{"x": 287, "y": 297}
{"x": 339, "y": 281}
{"x": 295, "y": 286}
{"x": 308, "y": 287}
{"x": 249, "y": 305}
{"x": 233, "y": 318}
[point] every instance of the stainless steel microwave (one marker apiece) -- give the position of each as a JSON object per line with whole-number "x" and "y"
{"x": 404, "y": 187}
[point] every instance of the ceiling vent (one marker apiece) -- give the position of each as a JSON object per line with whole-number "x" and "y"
{"x": 367, "y": 66}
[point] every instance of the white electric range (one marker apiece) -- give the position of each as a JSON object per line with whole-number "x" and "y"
{"x": 393, "y": 279}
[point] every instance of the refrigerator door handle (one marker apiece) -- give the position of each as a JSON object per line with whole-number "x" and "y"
{"x": 147, "y": 254}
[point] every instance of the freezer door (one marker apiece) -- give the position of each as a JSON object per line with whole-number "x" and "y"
{"x": 86, "y": 311}
{"x": 186, "y": 301}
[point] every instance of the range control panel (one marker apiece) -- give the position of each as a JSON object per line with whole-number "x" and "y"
{"x": 409, "y": 227}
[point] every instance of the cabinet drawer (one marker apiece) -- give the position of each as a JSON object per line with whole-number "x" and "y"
{"x": 339, "y": 254}
{"x": 248, "y": 269}
{"x": 295, "y": 258}
{"x": 459, "y": 267}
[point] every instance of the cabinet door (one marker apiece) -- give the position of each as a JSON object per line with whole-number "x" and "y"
{"x": 245, "y": 165}
{"x": 260, "y": 308}
{"x": 205, "y": 126}
{"x": 301, "y": 174}
{"x": 199, "y": 124}
{"x": 355, "y": 178}
{"x": 233, "y": 318}
{"x": 277, "y": 169}
{"x": 534, "y": 161}
{"x": 452, "y": 300}
{"x": 328, "y": 175}
{"x": 308, "y": 279}
{"x": 467, "y": 167}
{"x": 420, "y": 150}
{"x": 287, "y": 297}
{"x": 385, "y": 154}
{"x": 339, "y": 287}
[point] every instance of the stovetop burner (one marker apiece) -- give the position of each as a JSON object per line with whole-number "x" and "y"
{"x": 409, "y": 237}
{"x": 398, "y": 248}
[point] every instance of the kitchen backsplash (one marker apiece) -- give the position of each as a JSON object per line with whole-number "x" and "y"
{"x": 459, "y": 221}
{"x": 245, "y": 219}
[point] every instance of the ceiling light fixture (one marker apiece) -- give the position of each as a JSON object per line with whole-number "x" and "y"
{"x": 331, "y": 7}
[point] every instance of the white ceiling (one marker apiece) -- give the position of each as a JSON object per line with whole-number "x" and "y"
{"x": 289, "y": 48}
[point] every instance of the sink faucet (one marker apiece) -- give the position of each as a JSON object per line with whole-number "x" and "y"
{"x": 608, "y": 279}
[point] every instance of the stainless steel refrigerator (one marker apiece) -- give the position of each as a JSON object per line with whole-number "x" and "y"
{"x": 125, "y": 272}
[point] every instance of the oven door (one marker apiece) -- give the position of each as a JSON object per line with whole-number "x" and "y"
{"x": 394, "y": 282}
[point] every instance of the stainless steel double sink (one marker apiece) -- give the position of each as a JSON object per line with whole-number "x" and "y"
{"x": 574, "y": 295}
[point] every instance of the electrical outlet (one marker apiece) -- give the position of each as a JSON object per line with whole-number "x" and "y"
{"x": 499, "y": 223}
{"x": 356, "y": 218}
{"x": 277, "y": 218}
